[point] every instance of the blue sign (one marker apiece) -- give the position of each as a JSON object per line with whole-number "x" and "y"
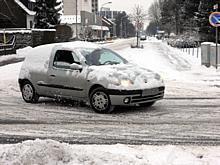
{"x": 214, "y": 19}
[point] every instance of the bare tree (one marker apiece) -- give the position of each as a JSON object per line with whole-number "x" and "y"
{"x": 154, "y": 12}
{"x": 139, "y": 16}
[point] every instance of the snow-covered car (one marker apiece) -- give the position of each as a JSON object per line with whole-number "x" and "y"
{"x": 87, "y": 72}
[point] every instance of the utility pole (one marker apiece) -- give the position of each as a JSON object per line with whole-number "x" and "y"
{"x": 216, "y": 37}
{"x": 4, "y": 40}
{"x": 76, "y": 19}
{"x": 121, "y": 25}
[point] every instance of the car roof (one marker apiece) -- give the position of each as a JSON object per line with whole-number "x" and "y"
{"x": 41, "y": 54}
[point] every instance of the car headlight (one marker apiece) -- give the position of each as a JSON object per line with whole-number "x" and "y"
{"x": 126, "y": 83}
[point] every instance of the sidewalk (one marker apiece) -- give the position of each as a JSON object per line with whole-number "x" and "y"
{"x": 10, "y": 59}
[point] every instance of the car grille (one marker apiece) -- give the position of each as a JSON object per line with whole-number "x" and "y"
{"x": 137, "y": 99}
{"x": 149, "y": 94}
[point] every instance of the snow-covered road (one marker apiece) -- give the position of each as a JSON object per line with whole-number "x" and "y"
{"x": 189, "y": 114}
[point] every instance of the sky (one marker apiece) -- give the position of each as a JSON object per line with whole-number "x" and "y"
{"x": 126, "y": 5}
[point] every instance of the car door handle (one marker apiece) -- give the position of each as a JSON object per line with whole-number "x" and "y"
{"x": 52, "y": 75}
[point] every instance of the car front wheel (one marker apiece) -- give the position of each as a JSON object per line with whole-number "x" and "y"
{"x": 28, "y": 93}
{"x": 100, "y": 101}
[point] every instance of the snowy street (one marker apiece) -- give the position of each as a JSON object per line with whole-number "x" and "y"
{"x": 97, "y": 82}
{"x": 189, "y": 113}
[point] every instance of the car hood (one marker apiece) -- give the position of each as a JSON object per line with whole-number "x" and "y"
{"x": 111, "y": 77}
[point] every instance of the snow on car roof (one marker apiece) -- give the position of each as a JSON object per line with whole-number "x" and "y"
{"x": 43, "y": 52}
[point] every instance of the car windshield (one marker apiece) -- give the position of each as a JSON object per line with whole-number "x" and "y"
{"x": 101, "y": 57}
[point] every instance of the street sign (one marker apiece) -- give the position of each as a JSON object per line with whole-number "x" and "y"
{"x": 214, "y": 19}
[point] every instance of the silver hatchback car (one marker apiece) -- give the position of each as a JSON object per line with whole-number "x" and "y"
{"x": 86, "y": 72}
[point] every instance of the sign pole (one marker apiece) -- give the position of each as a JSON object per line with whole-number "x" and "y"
{"x": 214, "y": 20}
{"x": 4, "y": 40}
{"x": 216, "y": 35}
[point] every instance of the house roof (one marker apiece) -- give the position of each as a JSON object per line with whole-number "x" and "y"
{"x": 29, "y": 12}
{"x": 104, "y": 20}
{"x": 108, "y": 20}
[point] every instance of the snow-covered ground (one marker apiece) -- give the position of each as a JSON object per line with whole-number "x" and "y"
{"x": 48, "y": 152}
{"x": 182, "y": 74}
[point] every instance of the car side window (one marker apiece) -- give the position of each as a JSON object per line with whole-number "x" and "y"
{"x": 64, "y": 58}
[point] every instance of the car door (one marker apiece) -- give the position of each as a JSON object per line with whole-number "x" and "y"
{"x": 64, "y": 81}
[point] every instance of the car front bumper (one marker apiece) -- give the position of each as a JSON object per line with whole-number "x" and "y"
{"x": 134, "y": 97}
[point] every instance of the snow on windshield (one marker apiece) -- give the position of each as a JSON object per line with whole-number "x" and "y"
{"x": 99, "y": 57}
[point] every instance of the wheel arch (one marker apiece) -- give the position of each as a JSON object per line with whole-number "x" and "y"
{"x": 22, "y": 81}
{"x": 94, "y": 87}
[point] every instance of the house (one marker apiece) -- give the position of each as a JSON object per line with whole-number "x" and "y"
{"x": 82, "y": 19}
{"x": 111, "y": 26}
{"x": 17, "y": 13}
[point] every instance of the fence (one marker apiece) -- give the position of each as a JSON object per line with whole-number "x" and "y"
{"x": 194, "y": 51}
{"x": 8, "y": 46}
{"x": 20, "y": 38}
{"x": 191, "y": 47}
{"x": 205, "y": 52}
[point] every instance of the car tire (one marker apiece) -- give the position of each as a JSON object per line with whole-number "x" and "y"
{"x": 149, "y": 104}
{"x": 28, "y": 93}
{"x": 100, "y": 101}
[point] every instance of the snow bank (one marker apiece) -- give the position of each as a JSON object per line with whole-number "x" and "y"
{"x": 9, "y": 79}
{"x": 19, "y": 56}
{"x": 49, "y": 152}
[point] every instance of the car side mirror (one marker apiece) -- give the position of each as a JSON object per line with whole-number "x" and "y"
{"x": 75, "y": 66}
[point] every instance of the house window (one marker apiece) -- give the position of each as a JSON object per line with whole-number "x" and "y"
{"x": 31, "y": 6}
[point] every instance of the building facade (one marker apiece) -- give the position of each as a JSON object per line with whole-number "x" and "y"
{"x": 109, "y": 14}
{"x": 69, "y": 6}
{"x": 84, "y": 22}
{"x": 95, "y": 6}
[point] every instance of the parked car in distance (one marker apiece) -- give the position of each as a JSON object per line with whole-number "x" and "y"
{"x": 86, "y": 72}
{"x": 143, "y": 36}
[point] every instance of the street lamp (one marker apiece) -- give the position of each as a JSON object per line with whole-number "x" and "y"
{"x": 101, "y": 15}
